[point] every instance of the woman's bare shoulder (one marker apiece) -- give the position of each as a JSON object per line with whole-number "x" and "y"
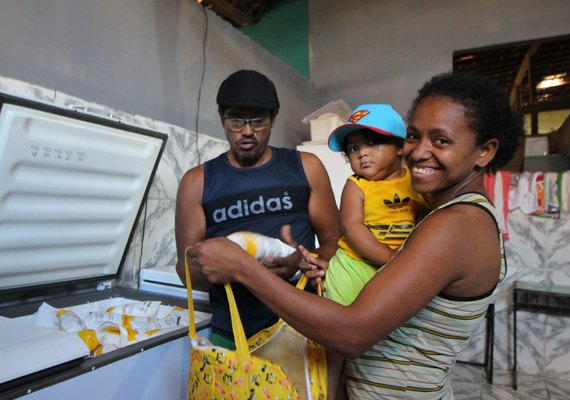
{"x": 454, "y": 233}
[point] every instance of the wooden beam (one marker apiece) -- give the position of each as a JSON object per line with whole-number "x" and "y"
{"x": 522, "y": 72}
{"x": 228, "y": 10}
{"x": 561, "y": 103}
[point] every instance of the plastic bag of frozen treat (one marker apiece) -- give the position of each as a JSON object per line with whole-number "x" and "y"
{"x": 261, "y": 246}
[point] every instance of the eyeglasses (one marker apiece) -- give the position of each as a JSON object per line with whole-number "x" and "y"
{"x": 257, "y": 124}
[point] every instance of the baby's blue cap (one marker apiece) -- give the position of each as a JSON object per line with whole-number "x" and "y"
{"x": 379, "y": 118}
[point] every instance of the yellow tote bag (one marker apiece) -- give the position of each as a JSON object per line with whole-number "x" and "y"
{"x": 218, "y": 373}
{"x": 303, "y": 360}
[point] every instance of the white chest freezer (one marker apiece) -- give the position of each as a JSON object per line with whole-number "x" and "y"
{"x": 165, "y": 280}
{"x": 72, "y": 189}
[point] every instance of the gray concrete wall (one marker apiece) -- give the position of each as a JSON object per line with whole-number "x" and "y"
{"x": 383, "y": 50}
{"x": 144, "y": 57}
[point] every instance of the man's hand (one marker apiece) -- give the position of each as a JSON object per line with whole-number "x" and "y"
{"x": 313, "y": 267}
{"x": 285, "y": 267}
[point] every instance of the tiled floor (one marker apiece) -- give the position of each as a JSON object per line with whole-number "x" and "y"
{"x": 470, "y": 383}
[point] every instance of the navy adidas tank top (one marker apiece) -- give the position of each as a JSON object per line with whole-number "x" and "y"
{"x": 261, "y": 200}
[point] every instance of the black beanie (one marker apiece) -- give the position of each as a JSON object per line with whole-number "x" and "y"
{"x": 248, "y": 89}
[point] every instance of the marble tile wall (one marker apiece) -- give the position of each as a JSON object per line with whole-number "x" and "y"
{"x": 184, "y": 150}
{"x": 538, "y": 251}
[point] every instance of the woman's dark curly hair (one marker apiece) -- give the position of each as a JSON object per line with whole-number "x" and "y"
{"x": 488, "y": 111}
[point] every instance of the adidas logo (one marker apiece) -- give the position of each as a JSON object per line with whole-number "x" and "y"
{"x": 245, "y": 207}
{"x": 397, "y": 203}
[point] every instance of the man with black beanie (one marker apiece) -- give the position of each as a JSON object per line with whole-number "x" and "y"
{"x": 253, "y": 187}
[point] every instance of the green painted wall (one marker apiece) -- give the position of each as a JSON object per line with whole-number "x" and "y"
{"x": 284, "y": 32}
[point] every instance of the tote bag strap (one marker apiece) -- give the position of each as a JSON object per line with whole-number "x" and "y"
{"x": 191, "y": 322}
{"x": 304, "y": 279}
{"x": 237, "y": 327}
{"x": 303, "y": 282}
{"x": 239, "y": 335}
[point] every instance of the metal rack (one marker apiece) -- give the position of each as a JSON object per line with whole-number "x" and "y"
{"x": 537, "y": 297}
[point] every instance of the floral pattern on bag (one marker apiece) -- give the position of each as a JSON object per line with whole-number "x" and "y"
{"x": 216, "y": 373}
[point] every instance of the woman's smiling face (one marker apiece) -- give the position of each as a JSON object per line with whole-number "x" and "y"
{"x": 440, "y": 149}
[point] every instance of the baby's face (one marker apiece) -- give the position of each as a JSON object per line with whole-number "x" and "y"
{"x": 372, "y": 156}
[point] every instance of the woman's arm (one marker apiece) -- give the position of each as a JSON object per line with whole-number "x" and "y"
{"x": 438, "y": 257}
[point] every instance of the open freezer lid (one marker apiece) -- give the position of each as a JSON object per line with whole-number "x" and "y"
{"x": 72, "y": 189}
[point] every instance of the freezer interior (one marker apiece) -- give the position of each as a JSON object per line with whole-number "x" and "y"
{"x": 63, "y": 377}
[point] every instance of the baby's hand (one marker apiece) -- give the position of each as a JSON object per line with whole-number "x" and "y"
{"x": 313, "y": 267}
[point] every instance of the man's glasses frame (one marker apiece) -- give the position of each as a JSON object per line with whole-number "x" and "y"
{"x": 257, "y": 124}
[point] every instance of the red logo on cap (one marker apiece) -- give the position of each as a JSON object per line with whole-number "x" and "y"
{"x": 357, "y": 116}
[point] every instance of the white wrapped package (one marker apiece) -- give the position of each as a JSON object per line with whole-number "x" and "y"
{"x": 46, "y": 316}
{"x": 139, "y": 309}
{"x": 70, "y": 322}
{"x": 261, "y": 246}
{"x": 113, "y": 323}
